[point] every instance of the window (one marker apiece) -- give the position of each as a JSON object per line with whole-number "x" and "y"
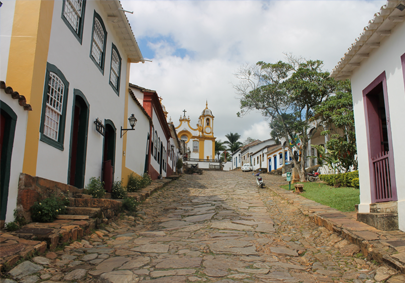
{"x": 115, "y": 72}
{"x": 158, "y": 150}
{"x": 54, "y": 107}
{"x": 99, "y": 39}
{"x": 73, "y": 16}
{"x": 208, "y": 121}
{"x": 195, "y": 146}
{"x": 155, "y": 144}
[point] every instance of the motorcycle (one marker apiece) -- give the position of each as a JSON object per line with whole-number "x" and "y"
{"x": 313, "y": 176}
{"x": 259, "y": 180}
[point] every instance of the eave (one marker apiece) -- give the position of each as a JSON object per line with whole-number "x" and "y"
{"x": 378, "y": 29}
{"x": 119, "y": 21}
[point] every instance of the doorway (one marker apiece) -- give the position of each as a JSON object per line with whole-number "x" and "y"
{"x": 78, "y": 142}
{"x": 109, "y": 155}
{"x": 8, "y": 120}
{"x": 381, "y": 158}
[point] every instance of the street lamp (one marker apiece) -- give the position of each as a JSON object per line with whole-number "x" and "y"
{"x": 132, "y": 122}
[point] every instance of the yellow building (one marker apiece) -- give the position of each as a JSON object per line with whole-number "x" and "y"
{"x": 200, "y": 141}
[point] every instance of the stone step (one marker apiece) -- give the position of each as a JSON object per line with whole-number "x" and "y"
{"x": 381, "y": 221}
{"x": 72, "y": 217}
{"x": 92, "y": 212}
{"x": 384, "y": 207}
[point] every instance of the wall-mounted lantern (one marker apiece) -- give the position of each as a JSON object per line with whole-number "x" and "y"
{"x": 99, "y": 126}
{"x": 132, "y": 122}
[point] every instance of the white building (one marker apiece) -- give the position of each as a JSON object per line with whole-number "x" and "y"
{"x": 159, "y": 132}
{"x": 375, "y": 64}
{"x": 70, "y": 60}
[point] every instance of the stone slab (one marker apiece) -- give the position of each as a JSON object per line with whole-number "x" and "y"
{"x": 179, "y": 263}
{"x": 152, "y": 248}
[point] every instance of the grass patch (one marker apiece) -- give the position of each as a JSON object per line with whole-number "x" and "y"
{"x": 342, "y": 199}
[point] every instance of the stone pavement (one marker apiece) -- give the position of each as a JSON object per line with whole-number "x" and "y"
{"x": 217, "y": 227}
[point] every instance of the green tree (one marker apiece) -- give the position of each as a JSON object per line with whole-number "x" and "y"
{"x": 336, "y": 113}
{"x": 233, "y": 142}
{"x": 219, "y": 146}
{"x": 228, "y": 156}
{"x": 286, "y": 93}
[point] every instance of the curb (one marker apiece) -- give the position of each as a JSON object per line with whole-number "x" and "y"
{"x": 370, "y": 246}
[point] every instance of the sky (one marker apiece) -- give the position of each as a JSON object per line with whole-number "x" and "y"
{"x": 196, "y": 48}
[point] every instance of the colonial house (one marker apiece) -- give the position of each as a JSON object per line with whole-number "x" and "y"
{"x": 375, "y": 64}
{"x": 159, "y": 135}
{"x": 248, "y": 150}
{"x": 260, "y": 157}
{"x": 236, "y": 159}
{"x": 69, "y": 62}
{"x": 136, "y": 144}
{"x": 174, "y": 151}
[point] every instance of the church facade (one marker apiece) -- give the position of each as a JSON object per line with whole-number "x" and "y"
{"x": 200, "y": 141}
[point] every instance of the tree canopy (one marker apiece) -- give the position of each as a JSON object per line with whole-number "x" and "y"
{"x": 233, "y": 142}
{"x": 336, "y": 113}
{"x": 286, "y": 93}
{"x": 219, "y": 146}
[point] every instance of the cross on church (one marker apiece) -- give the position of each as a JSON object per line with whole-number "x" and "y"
{"x": 184, "y": 112}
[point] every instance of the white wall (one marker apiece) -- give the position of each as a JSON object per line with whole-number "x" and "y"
{"x": 227, "y": 166}
{"x": 137, "y": 140}
{"x": 73, "y": 60}
{"x": 208, "y": 149}
{"x": 386, "y": 58}
{"x": 17, "y": 156}
{"x": 6, "y": 26}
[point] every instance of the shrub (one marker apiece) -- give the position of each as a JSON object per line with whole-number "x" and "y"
{"x": 356, "y": 183}
{"x": 130, "y": 204}
{"x": 48, "y": 209}
{"x": 118, "y": 190}
{"x": 12, "y": 226}
{"x": 337, "y": 180}
{"x": 146, "y": 180}
{"x": 179, "y": 164}
{"x": 134, "y": 183}
{"x": 95, "y": 187}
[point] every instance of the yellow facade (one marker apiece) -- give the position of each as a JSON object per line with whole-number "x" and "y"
{"x": 28, "y": 54}
{"x": 203, "y": 132}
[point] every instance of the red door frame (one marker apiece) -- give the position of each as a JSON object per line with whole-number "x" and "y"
{"x": 380, "y": 79}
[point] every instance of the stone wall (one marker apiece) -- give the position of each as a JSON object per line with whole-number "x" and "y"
{"x": 32, "y": 189}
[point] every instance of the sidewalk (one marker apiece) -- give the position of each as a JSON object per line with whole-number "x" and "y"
{"x": 387, "y": 247}
{"x": 35, "y": 238}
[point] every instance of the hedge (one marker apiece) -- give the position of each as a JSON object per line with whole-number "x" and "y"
{"x": 350, "y": 179}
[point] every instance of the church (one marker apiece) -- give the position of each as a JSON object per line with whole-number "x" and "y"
{"x": 200, "y": 141}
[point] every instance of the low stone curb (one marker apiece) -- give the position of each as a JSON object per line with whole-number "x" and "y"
{"x": 16, "y": 246}
{"x": 149, "y": 190}
{"x": 372, "y": 242}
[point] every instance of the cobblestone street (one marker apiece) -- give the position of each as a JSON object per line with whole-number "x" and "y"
{"x": 215, "y": 227}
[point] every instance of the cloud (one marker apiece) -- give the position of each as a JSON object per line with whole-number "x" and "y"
{"x": 257, "y": 131}
{"x": 197, "y": 46}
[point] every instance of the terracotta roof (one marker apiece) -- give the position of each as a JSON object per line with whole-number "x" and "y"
{"x": 250, "y": 144}
{"x": 21, "y": 98}
{"x": 269, "y": 147}
{"x": 374, "y": 33}
{"x": 142, "y": 88}
{"x": 131, "y": 93}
